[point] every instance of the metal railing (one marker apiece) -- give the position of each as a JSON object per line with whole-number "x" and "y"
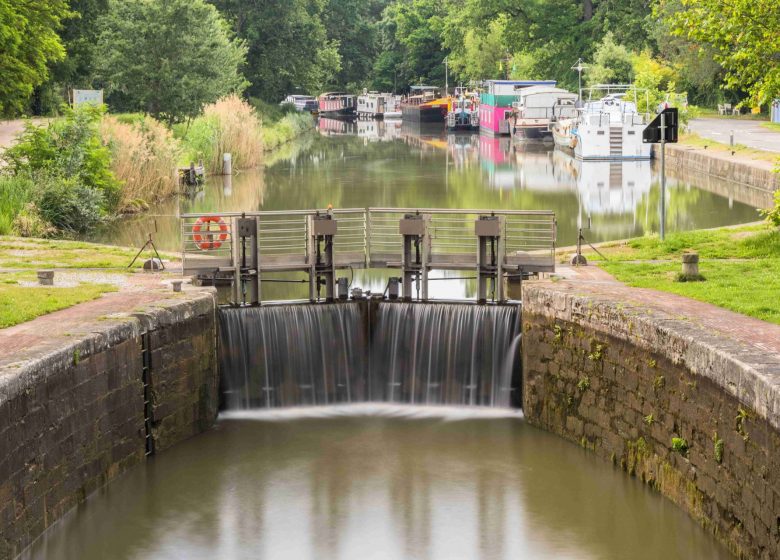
{"x": 368, "y": 238}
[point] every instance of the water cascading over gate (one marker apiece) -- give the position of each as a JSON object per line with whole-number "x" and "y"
{"x": 420, "y": 353}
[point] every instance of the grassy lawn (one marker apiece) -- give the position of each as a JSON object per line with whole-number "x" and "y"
{"x": 741, "y": 267}
{"x": 772, "y": 126}
{"x": 19, "y": 252}
{"x": 20, "y": 303}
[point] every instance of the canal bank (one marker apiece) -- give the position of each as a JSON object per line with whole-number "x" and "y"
{"x": 91, "y": 399}
{"x": 678, "y": 393}
{"x": 693, "y": 160}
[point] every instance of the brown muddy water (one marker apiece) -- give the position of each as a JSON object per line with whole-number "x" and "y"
{"x": 376, "y": 482}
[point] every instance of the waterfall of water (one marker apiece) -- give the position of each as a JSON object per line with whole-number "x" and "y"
{"x": 442, "y": 353}
{"x": 289, "y": 355}
{"x": 436, "y": 353}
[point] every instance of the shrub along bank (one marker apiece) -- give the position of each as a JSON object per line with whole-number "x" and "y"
{"x": 85, "y": 167}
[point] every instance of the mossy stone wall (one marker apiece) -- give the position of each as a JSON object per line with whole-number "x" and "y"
{"x": 73, "y": 418}
{"x": 621, "y": 382}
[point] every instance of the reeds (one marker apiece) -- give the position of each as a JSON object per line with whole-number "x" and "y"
{"x": 231, "y": 126}
{"x": 144, "y": 158}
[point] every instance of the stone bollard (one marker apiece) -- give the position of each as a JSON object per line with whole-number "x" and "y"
{"x": 46, "y": 277}
{"x": 153, "y": 264}
{"x": 176, "y": 285}
{"x": 690, "y": 266}
{"x": 227, "y": 164}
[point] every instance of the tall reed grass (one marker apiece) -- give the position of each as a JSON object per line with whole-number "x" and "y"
{"x": 231, "y": 126}
{"x": 144, "y": 157}
{"x": 15, "y": 194}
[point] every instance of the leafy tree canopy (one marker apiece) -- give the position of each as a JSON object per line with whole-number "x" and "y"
{"x": 289, "y": 48}
{"x": 28, "y": 44}
{"x": 168, "y": 58}
{"x": 745, "y": 36}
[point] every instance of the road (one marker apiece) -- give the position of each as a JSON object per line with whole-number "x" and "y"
{"x": 747, "y": 133}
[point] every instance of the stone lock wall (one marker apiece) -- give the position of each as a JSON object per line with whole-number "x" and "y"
{"x": 668, "y": 404}
{"x": 73, "y": 418}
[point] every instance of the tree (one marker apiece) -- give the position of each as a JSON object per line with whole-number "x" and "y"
{"x": 28, "y": 44}
{"x": 289, "y": 49}
{"x": 612, "y": 64}
{"x": 167, "y": 58}
{"x": 745, "y": 36}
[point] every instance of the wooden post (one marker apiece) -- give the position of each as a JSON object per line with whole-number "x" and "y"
{"x": 227, "y": 164}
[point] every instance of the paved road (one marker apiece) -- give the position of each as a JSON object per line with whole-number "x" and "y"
{"x": 748, "y": 133}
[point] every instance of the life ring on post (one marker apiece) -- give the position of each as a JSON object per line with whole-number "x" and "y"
{"x": 207, "y": 238}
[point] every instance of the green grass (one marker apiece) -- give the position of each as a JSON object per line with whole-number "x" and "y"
{"x": 743, "y": 242}
{"x": 772, "y": 126}
{"x": 741, "y": 267}
{"x": 747, "y": 287}
{"x": 694, "y": 140}
{"x": 22, "y": 303}
{"x": 24, "y": 253}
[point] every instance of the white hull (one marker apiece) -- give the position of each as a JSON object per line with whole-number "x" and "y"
{"x": 609, "y": 141}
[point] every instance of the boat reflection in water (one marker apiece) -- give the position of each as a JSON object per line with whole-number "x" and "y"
{"x": 378, "y": 130}
{"x": 336, "y": 127}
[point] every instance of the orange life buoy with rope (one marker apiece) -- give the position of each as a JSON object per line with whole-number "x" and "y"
{"x": 207, "y": 238}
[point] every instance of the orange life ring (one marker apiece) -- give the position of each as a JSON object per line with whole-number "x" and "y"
{"x": 208, "y": 240}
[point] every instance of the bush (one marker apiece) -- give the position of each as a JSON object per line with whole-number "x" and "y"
{"x": 15, "y": 194}
{"x": 70, "y": 148}
{"x": 772, "y": 215}
{"x": 231, "y": 126}
{"x": 67, "y": 204}
{"x": 144, "y": 158}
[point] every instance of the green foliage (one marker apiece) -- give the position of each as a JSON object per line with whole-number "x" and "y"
{"x": 29, "y": 43}
{"x": 15, "y": 194}
{"x": 612, "y": 63}
{"x": 772, "y": 215}
{"x": 717, "y": 448}
{"x": 68, "y": 148}
{"x": 70, "y": 169}
{"x": 289, "y": 49}
{"x": 680, "y": 445}
{"x": 584, "y": 383}
{"x": 286, "y": 129}
{"x": 168, "y": 58}
{"x": 649, "y": 419}
{"x": 68, "y": 205}
{"x": 743, "y": 35}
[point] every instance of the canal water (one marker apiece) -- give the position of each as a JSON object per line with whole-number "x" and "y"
{"x": 362, "y": 164}
{"x": 388, "y": 481}
{"x": 376, "y": 482}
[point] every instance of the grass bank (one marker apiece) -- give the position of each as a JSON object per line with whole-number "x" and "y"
{"x": 740, "y": 266}
{"x": 694, "y": 140}
{"x": 22, "y": 300}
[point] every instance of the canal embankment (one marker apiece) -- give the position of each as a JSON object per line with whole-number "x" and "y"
{"x": 87, "y": 392}
{"x": 681, "y": 394}
{"x": 701, "y": 159}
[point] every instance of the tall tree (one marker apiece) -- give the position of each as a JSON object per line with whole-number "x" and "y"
{"x": 167, "y": 58}
{"x": 745, "y": 36}
{"x": 28, "y": 44}
{"x": 289, "y": 49}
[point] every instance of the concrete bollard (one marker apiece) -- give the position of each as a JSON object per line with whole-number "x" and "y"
{"x": 176, "y": 285}
{"x": 227, "y": 164}
{"x": 46, "y": 277}
{"x": 690, "y": 266}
